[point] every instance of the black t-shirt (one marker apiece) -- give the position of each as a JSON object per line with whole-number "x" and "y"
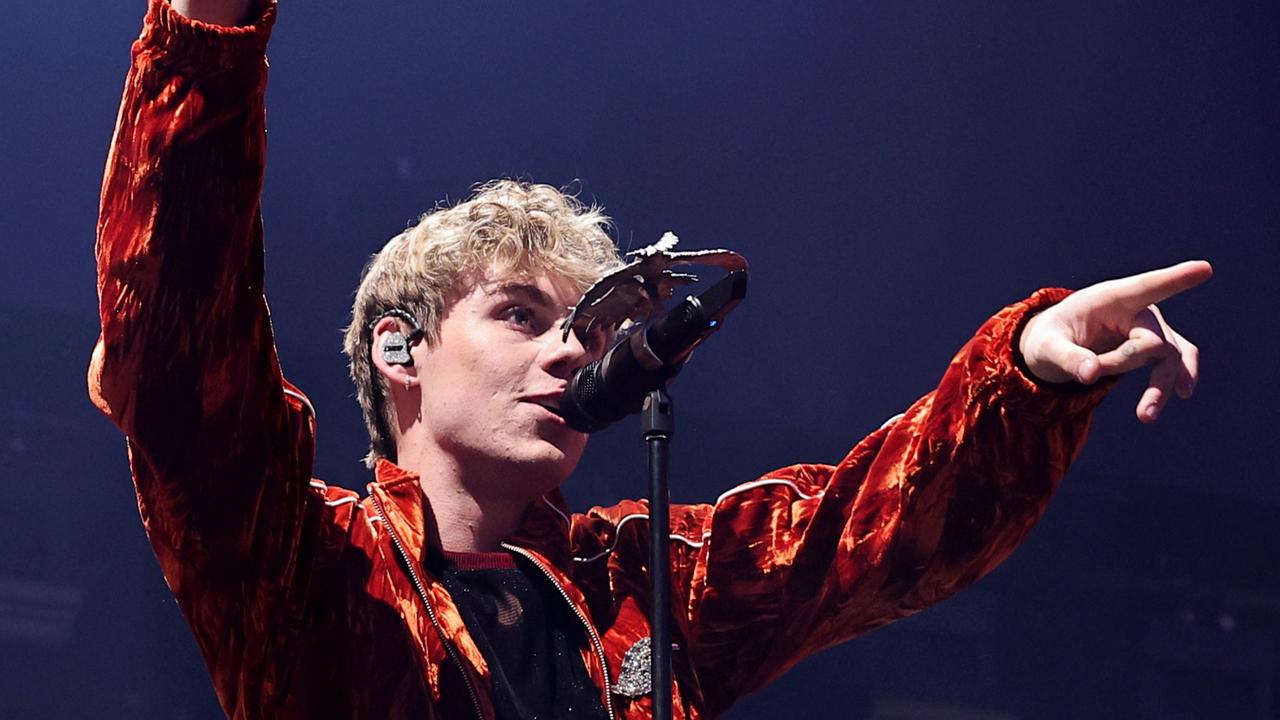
{"x": 526, "y": 632}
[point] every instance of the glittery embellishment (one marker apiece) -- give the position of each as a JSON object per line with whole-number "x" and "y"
{"x": 636, "y": 678}
{"x": 395, "y": 349}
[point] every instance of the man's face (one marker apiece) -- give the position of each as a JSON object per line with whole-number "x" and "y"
{"x": 486, "y": 384}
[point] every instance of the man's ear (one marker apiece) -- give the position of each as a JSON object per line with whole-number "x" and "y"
{"x": 392, "y": 352}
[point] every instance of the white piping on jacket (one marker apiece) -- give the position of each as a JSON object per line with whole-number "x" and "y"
{"x": 369, "y": 518}
{"x": 698, "y": 543}
{"x": 618, "y": 529}
{"x": 302, "y": 399}
{"x": 892, "y": 420}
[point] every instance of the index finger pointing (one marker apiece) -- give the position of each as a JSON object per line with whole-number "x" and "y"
{"x": 1154, "y": 286}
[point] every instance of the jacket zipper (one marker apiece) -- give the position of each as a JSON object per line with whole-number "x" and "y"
{"x": 591, "y": 631}
{"x": 431, "y": 611}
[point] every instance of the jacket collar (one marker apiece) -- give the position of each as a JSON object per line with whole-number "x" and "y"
{"x": 545, "y": 528}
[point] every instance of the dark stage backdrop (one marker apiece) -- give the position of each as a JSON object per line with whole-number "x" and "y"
{"x": 896, "y": 172}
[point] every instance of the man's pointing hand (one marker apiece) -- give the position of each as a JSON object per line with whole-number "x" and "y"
{"x": 1113, "y": 327}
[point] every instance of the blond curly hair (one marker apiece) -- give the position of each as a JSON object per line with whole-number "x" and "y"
{"x": 506, "y": 226}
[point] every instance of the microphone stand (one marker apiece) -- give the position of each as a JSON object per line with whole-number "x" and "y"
{"x": 658, "y": 424}
{"x": 590, "y": 403}
{"x": 703, "y": 314}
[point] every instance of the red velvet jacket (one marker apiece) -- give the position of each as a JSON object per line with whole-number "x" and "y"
{"x": 308, "y": 601}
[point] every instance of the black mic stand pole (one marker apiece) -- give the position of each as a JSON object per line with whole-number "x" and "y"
{"x": 658, "y": 423}
{"x": 601, "y": 393}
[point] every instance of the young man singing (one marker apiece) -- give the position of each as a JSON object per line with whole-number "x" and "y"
{"x": 461, "y": 586}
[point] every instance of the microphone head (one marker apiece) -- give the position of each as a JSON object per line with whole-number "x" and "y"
{"x": 582, "y": 393}
{"x": 609, "y": 389}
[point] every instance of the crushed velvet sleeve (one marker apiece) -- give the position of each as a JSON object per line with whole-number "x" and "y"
{"x": 812, "y": 555}
{"x": 219, "y": 444}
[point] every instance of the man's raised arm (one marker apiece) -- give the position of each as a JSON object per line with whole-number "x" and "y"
{"x": 220, "y": 445}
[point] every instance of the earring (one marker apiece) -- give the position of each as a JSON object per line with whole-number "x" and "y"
{"x": 395, "y": 349}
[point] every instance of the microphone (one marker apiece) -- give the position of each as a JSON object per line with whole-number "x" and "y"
{"x": 609, "y": 389}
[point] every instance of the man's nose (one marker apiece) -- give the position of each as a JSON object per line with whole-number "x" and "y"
{"x": 561, "y": 357}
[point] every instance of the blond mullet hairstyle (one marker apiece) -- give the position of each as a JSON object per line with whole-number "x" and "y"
{"x": 508, "y": 227}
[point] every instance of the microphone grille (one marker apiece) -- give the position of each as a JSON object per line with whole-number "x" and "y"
{"x": 579, "y": 404}
{"x": 589, "y": 383}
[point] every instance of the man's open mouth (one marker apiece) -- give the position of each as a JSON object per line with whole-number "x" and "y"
{"x": 553, "y": 406}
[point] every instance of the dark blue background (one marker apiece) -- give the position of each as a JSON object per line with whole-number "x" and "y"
{"x": 895, "y": 172}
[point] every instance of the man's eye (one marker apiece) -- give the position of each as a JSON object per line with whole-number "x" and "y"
{"x": 519, "y": 315}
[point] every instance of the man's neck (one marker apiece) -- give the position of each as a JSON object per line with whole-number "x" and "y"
{"x": 466, "y": 524}
{"x": 470, "y": 515}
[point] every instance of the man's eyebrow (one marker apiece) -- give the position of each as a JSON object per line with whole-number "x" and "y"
{"x": 532, "y": 293}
